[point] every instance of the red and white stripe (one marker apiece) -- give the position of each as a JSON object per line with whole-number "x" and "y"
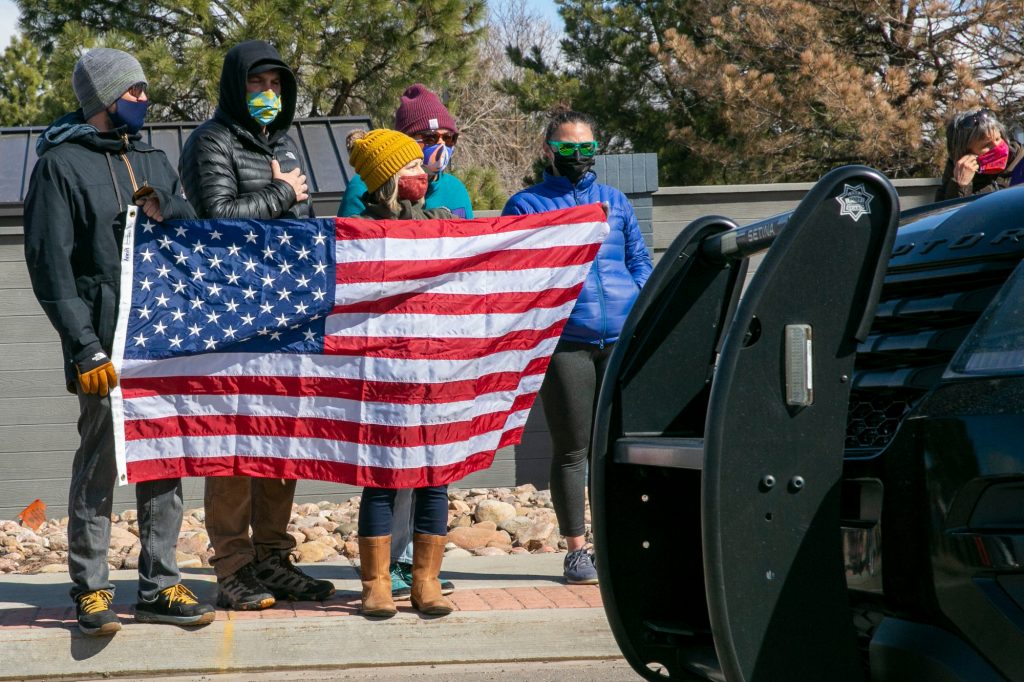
{"x": 434, "y": 353}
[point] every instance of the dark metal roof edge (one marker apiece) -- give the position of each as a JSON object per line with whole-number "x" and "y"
{"x": 167, "y": 125}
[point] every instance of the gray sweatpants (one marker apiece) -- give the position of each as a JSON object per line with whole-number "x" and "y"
{"x": 401, "y": 526}
{"x": 90, "y": 502}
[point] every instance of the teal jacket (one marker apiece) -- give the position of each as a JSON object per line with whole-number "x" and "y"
{"x": 445, "y": 191}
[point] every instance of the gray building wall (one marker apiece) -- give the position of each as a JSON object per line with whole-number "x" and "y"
{"x": 676, "y": 207}
{"x": 37, "y": 416}
{"x": 636, "y": 176}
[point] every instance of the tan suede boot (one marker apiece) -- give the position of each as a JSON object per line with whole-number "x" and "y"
{"x": 427, "y": 552}
{"x": 374, "y": 559}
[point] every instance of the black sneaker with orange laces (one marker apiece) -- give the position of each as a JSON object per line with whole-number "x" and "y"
{"x": 177, "y": 606}
{"x": 94, "y": 615}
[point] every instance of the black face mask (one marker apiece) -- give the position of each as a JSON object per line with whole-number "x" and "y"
{"x": 573, "y": 168}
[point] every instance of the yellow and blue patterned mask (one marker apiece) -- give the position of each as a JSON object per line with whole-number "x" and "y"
{"x": 264, "y": 106}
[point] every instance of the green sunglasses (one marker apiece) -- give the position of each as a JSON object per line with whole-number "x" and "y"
{"x": 570, "y": 148}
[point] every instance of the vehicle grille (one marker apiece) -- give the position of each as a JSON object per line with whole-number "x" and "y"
{"x": 919, "y": 324}
{"x": 874, "y": 417}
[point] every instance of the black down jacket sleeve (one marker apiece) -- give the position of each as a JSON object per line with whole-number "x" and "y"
{"x": 210, "y": 166}
{"x": 173, "y": 204}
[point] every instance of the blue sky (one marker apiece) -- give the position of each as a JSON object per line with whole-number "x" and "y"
{"x": 9, "y": 17}
{"x": 8, "y": 21}
{"x": 545, "y": 8}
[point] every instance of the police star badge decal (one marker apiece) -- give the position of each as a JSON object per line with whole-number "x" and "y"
{"x": 854, "y": 201}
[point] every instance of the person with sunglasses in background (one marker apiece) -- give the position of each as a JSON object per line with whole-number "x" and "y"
{"x": 423, "y": 117}
{"x": 620, "y": 269}
{"x": 981, "y": 159}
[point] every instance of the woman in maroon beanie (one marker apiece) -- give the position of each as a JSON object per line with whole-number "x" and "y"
{"x": 423, "y": 117}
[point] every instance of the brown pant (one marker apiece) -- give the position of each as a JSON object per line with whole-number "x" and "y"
{"x": 233, "y": 503}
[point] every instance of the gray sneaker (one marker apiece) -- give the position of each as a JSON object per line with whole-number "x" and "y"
{"x": 286, "y": 581}
{"x": 242, "y": 591}
{"x": 579, "y": 568}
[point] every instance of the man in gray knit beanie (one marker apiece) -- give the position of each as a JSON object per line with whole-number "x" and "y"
{"x": 89, "y": 169}
{"x": 101, "y": 76}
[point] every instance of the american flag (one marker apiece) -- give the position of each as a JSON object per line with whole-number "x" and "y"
{"x": 381, "y": 353}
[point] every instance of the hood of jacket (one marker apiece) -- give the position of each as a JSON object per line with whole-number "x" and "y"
{"x": 73, "y": 128}
{"x": 1016, "y": 156}
{"x": 234, "y": 103}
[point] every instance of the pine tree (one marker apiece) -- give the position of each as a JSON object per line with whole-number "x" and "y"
{"x": 773, "y": 90}
{"x": 349, "y": 56}
{"x": 22, "y": 83}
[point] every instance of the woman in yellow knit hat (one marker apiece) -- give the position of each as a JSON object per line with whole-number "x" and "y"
{"x": 391, "y": 165}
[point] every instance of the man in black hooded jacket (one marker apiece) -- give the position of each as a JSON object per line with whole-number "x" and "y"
{"x": 236, "y": 165}
{"x": 243, "y": 164}
{"x": 91, "y": 163}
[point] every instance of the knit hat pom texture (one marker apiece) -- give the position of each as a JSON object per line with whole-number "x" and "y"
{"x": 380, "y": 154}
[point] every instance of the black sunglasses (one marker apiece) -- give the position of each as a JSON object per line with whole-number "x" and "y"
{"x": 976, "y": 118}
{"x": 137, "y": 90}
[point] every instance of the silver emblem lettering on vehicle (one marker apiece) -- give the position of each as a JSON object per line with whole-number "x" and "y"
{"x": 855, "y": 201}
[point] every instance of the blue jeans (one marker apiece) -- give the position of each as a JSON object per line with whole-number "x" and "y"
{"x": 90, "y": 501}
{"x": 376, "y": 511}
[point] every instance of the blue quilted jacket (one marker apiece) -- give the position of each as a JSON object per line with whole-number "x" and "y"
{"x": 622, "y": 265}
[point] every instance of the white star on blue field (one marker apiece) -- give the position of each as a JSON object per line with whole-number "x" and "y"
{"x": 244, "y": 286}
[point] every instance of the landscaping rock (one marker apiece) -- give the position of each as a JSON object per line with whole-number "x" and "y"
{"x": 494, "y": 511}
{"x": 481, "y": 522}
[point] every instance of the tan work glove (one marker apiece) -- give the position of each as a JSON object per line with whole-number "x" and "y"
{"x": 97, "y": 374}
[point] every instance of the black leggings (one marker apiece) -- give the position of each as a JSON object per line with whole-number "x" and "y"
{"x": 378, "y": 505}
{"x": 569, "y": 392}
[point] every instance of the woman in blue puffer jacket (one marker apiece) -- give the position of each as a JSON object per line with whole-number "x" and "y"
{"x": 621, "y": 268}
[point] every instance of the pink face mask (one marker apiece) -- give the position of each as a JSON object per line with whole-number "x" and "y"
{"x": 994, "y": 160}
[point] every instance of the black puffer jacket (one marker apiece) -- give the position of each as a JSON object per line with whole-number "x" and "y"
{"x": 74, "y": 223}
{"x": 225, "y": 165}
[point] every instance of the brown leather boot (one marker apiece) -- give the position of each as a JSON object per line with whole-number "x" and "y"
{"x": 374, "y": 559}
{"x": 427, "y": 552}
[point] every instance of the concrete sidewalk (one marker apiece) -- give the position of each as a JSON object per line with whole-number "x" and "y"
{"x": 510, "y": 608}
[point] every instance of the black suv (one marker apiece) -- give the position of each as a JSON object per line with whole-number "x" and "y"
{"x": 822, "y": 478}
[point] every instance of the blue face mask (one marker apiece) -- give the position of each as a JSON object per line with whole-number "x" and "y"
{"x": 436, "y": 158}
{"x": 264, "y": 106}
{"x": 132, "y": 115}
